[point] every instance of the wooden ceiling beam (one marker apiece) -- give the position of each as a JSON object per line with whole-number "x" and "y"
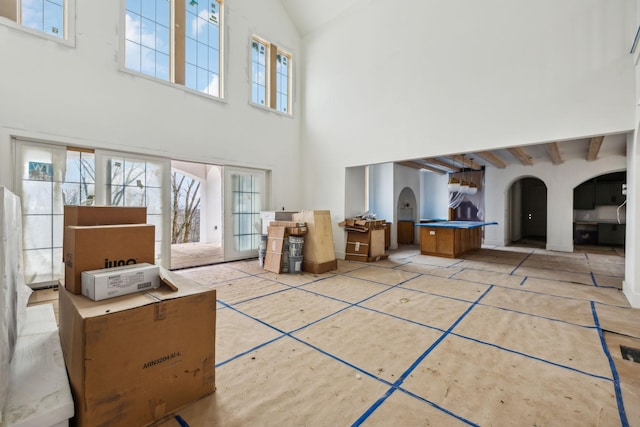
{"x": 521, "y": 155}
{"x": 457, "y": 158}
{"x": 594, "y": 148}
{"x": 442, "y": 164}
{"x": 492, "y": 158}
{"x": 416, "y": 165}
{"x": 554, "y": 153}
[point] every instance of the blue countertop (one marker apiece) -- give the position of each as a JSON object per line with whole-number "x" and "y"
{"x": 456, "y": 224}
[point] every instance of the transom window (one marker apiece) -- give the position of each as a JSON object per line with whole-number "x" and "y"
{"x": 47, "y": 16}
{"x": 270, "y": 76}
{"x": 187, "y": 53}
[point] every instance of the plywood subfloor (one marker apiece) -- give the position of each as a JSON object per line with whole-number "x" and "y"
{"x": 503, "y": 336}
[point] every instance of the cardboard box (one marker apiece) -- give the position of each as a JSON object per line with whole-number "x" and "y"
{"x": 134, "y": 359}
{"x": 102, "y": 215}
{"x": 357, "y": 248}
{"x": 365, "y": 246}
{"x": 275, "y": 247}
{"x": 116, "y": 281}
{"x": 105, "y": 246}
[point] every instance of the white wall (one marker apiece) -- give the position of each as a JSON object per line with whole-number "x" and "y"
{"x": 78, "y": 96}
{"x": 427, "y": 78}
{"x": 434, "y": 195}
{"x": 560, "y": 181}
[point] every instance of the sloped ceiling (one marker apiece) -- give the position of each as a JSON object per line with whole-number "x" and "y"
{"x": 310, "y": 15}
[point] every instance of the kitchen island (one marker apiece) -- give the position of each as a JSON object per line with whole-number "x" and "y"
{"x": 451, "y": 239}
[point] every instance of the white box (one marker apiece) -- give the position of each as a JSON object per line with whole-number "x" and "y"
{"x": 114, "y": 282}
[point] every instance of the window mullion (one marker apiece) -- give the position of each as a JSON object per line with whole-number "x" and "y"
{"x": 177, "y": 49}
{"x": 273, "y": 61}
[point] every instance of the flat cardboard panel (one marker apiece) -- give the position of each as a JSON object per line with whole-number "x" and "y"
{"x": 376, "y": 242}
{"x": 275, "y": 245}
{"x": 104, "y": 246}
{"x": 318, "y": 245}
{"x": 134, "y": 359}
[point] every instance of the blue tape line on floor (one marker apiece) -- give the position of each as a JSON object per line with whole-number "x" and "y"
{"x": 419, "y": 360}
{"x": 181, "y": 421}
{"x": 520, "y": 263}
{"x": 594, "y": 280}
{"x": 524, "y": 279}
{"x": 614, "y": 371}
{"x": 539, "y": 359}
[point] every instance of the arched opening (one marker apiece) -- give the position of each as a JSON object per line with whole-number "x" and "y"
{"x": 528, "y": 212}
{"x": 599, "y": 211}
{"x": 406, "y": 210}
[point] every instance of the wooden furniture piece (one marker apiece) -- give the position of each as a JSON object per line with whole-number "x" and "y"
{"x": 450, "y": 239}
{"x": 318, "y": 253}
{"x": 406, "y": 232}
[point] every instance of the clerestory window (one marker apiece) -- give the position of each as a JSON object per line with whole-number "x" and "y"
{"x": 187, "y": 52}
{"x": 270, "y": 76}
{"x": 44, "y": 16}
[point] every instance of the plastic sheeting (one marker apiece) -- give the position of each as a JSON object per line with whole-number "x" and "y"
{"x": 13, "y": 292}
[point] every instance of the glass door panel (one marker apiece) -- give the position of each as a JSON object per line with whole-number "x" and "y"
{"x": 244, "y": 194}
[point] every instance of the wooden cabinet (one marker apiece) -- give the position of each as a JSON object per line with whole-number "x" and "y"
{"x": 449, "y": 242}
{"x": 584, "y": 196}
{"x": 611, "y": 234}
{"x": 406, "y": 232}
{"x": 608, "y": 193}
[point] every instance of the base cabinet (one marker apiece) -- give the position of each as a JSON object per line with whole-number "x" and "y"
{"x": 406, "y": 232}
{"x": 449, "y": 242}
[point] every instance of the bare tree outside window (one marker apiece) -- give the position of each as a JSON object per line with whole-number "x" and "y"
{"x": 185, "y": 209}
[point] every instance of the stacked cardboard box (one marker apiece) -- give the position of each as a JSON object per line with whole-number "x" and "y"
{"x": 135, "y": 358}
{"x": 103, "y": 237}
{"x": 365, "y": 239}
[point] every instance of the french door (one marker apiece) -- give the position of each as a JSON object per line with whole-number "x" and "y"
{"x": 244, "y": 198}
{"x": 49, "y": 176}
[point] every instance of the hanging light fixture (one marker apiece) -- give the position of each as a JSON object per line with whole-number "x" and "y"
{"x": 464, "y": 185}
{"x": 473, "y": 188}
{"x": 454, "y": 183}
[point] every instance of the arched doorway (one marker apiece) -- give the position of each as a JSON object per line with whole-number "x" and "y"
{"x": 406, "y": 210}
{"x": 528, "y": 212}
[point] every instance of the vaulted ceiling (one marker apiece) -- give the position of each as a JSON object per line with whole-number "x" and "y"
{"x": 309, "y": 16}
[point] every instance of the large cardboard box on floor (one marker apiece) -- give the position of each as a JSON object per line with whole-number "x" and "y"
{"x": 104, "y": 246}
{"x": 318, "y": 253}
{"x": 102, "y": 215}
{"x": 136, "y": 358}
{"x": 365, "y": 246}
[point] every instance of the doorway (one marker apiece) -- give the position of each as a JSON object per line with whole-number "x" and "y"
{"x": 196, "y": 214}
{"x": 528, "y": 208}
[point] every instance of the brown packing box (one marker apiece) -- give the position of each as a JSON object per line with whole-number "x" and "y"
{"x": 357, "y": 248}
{"x": 103, "y": 246}
{"x": 102, "y": 215}
{"x": 365, "y": 247}
{"x": 134, "y": 359}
